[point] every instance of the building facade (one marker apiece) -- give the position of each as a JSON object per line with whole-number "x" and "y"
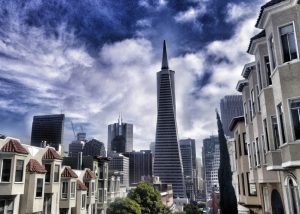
{"x": 271, "y": 97}
{"x": 120, "y": 137}
{"x": 211, "y": 162}
{"x": 48, "y": 130}
{"x": 94, "y": 148}
{"x": 167, "y": 159}
{"x": 119, "y": 165}
{"x": 140, "y": 164}
{"x": 230, "y": 106}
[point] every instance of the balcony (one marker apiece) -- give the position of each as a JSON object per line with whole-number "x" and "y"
{"x": 274, "y": 160}
{"x": 290, "y": 155}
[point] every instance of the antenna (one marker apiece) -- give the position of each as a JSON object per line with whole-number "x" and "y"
{"x": 73, "y": 129}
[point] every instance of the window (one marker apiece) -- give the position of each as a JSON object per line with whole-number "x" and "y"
{"x": 8, "y": 204}
{"x": 258, "y": 100}
{"x": 275, "y": 132}
{"x": 272, "y": 52}
{"x": 257, "y": 151}
{"x": 101, "y": 195}
{"x": 93, "y": 188}
{"x": 251, "y": 187}
{"x": 280, "y": 114}
{"x": 239, "y": 183}
{"x": 250, "y": 109}
{"x": 259, "y": 75}
{"x": 19, "y": 170}
{"x": 87, "y": 184}
{"x": 240, "y": 146}
{"x": 48, "y": 173}
{"x": 83, "y": 197}
{"x": 56, "y": 173}
{"x": 2, "y": 206}
{"x": 268, "y": 70}
{"x": 253, "y": 101}
{"x": 47, "y": 204}
{"x": 264, "y": 148}
{"x": 295, "y": 112}
{"x": 266, "y": 134}
{"x": 266, "y": 200}
{"x": 64, "y": 189}
{"x": 243, "y": 184}
{"x": 39, "y": 187}
{"x": 250, "y": 156}
{"x": 288, "y": 42}
{"x": 245, "y": 112}
{"x": 6, "y": 167}
{"x": 245, "y": 144}
{"x": 254, "y": 154}
{"x": 293, "y": 195}
{"x": 73, "y": 186}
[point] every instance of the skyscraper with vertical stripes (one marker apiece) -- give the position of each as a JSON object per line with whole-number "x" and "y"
{"x": 167, "y": 159}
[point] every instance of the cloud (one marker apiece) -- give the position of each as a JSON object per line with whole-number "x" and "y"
{"x": 189, "y": 15}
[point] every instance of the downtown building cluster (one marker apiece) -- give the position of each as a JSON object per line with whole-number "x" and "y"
{"x": 265, "y": 143}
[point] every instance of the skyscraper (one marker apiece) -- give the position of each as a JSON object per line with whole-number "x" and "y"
{"x": 211, "y": 162}
{"x": 94, "y": 148}
{"x": 231, "y": 106}
{"x": 167, "y": 159}
{"x": 119, "y": 163}
{"x": 140, "y": 164}
{"x": 47, "y": 130}
{"x": 120, "y": 137}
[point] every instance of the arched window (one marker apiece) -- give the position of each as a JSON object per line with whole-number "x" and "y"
{"x": 292, "y": 195}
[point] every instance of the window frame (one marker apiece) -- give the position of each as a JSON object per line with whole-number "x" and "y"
{"x": 22, "y": 174}
{"x": 67, "y": 190}
{"x": 267, "y": 75}
{"x": 10, "y": 173}
{"x": 281, "y": 46}
{"x": 281, "y": 124}
{"x": 73, "y": 190}
{"x": 83, "y": 201}
{"x": 37, "y": 188}
{"x": 49, "y": 173}
{"x": 291, "y": 117}
{"x": 58, "y": 173}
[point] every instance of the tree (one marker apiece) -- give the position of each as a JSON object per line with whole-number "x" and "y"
{"x": 194, "y": 208}
{"x": 228, "y": 201}
{"x": 148, "y": 198}
{"x": 124, "y": 206}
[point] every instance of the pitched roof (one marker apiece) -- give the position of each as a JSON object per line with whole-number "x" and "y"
{"x": 261, "y": 34}
{"x": 268, "y": 4}
{"x": 14, "y": 146}
{"x": 51, "y": 154}
{"x": 68, "y": 173}
{"x": 34, "y": 166}
{"x": 81, "y": 186}
{"x": 89, "y": 174}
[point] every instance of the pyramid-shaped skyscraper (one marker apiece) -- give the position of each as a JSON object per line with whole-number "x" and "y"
{"x": 167, "y": 160}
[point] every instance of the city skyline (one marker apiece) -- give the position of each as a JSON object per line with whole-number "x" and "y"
{"x": 66, "y": 70}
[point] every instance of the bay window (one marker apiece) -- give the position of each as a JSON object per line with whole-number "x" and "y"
{"x": 287, "y": 36}
{"x": 295, "y": 113}
{"x": 64, "y": 189}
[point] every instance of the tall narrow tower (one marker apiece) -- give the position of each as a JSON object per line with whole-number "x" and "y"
{"x": 167, "y": 160}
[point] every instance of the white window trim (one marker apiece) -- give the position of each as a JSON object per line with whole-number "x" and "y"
{"x": 280, "y": 43}
{"x": 43, "y": 187}
{"x": 11, "y": 170}
{"x": 61, "y": 191}
{"x": 23, "y": 173}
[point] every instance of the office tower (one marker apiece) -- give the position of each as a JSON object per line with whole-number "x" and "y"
{"x": 167, "y": 159}
{"x": 200, "y": 183}
{"x": 152, "y": 148}
{"x": 120, "y": 137}
{"x": 231, "y": 106}
{"x": 48, "y": 130}
{"x": 211, "y": 162}
{"x": 140, "y": 164}
{"x": 120, "y": 164}
{"x": 94, "y": 148}
{"x": 76, "y": 147}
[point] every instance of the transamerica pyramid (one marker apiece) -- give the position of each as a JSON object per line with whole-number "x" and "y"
{"x": 167, "y": 159}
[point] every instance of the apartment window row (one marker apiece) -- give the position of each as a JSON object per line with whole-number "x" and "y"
{"x": 6, "y": 168}
{"x": 242, "y": 145}
{"x": 251, "y": 187}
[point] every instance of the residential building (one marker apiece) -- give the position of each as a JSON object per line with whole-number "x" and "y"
{"x": 167, "y": 160}
{"x": 271, "y": 93}
{"x": 140, "y": 164}
{"x": 120, "y": 137}
{"x": 48, "y": 130}
{"x": 211, "y": 162}
{"x": 230, "y": 106}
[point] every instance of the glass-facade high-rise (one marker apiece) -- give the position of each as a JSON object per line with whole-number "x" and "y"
{"x": 167, "y": 159}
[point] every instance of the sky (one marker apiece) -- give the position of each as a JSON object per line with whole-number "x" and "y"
{"x": 92, "y": 59}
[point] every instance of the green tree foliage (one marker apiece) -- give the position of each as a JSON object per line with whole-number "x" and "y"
{"x": 194, "y": 208}
{"x": 148, "y": 198}
{"x": 180, "y": 212}
{"x": 228, "y": 201}
{"x": 124, "y": 206}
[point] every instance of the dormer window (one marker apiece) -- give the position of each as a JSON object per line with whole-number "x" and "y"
{"x": 6, "y": 170}
{"x": 19, "y": 171}
{"x": 287, "y": 36}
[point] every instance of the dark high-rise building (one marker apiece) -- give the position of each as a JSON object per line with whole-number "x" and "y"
{"x": 77, "y": 146}
{"x": 94, "y": 148}
{"x": 120, "y": 164}
{"x": 188, "y": 155}
{"x": 47, "y": 130}
{"x": 167, "y": 159}
{"x": 211, "y": 162}
{"x": 231, "y": 106}
{"x": 120, "y": 137}
{"x": 140, "y": 164}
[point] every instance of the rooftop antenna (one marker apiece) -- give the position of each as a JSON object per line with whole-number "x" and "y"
{"x": 73, "y": 129}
